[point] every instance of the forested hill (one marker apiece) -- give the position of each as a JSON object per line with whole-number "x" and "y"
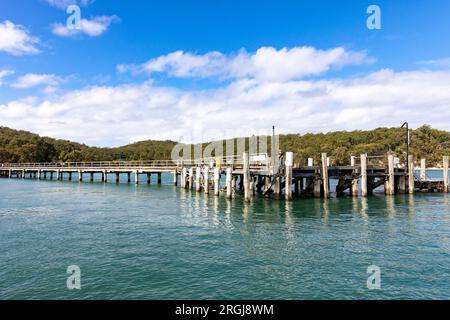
{"x": 23, "y": 146}
{"x": 432, "y": 144}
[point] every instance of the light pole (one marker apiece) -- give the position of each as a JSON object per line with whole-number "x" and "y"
{"x": 406, "y": 125}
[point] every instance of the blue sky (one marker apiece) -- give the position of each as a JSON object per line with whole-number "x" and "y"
{"x": 413, "y": 47}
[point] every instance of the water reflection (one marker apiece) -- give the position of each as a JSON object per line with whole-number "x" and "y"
{"x": 390, "y": 206}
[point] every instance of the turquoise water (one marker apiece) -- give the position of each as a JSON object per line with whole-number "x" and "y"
{"x": 161, "y": 242}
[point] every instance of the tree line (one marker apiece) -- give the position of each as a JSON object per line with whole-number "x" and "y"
{"x": 426, "y": 142}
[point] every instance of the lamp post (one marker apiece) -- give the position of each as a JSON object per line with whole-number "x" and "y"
{"x": 406, "y": 125}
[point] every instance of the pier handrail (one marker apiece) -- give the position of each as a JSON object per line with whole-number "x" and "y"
{"x": 93, "y": 164}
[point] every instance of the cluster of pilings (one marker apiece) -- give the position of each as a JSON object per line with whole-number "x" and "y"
{"x": 358, "y": 179}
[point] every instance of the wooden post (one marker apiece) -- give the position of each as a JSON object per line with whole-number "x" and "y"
{"x": 445, "y": 168}
{"x": 183, "y": 177}
{"x": 364, "y": 175}
{"x": 58, "y": 175}
{"x": 267, "y": 183}
{"x": 136, "y": 177}
{"x": 106, "y": 176}
{"x": 233, "y": 183}
{"x": 159, "y": 177}
{"x": 391, "y": 176}
{"x": 149, "y": 178}
{"x": 402, "y": 184}
{"x": 246, "y": 162}
{"x": 411, "y": 175}
{"x": 317, "y": 186}
{"x": 423, "y": 169}
{"x": 354, "y": 188}
{"x": 91, "y": 177}
{"x": 23, "y": 174}
{"x": 80, "y": 176}
{"x": 326, "y": 185}
{"x": 228, "y": 183}
{"x": 191, "y": 178}
{"x": 206, "y": 179}
{"x": 175, "y": 178}
{"x": 129, "y": 177}
{"x": 117, "y": 177}
{"x": 198, "y": 175}
{"x": 216, "y": 181}
{"x": 289, "y": 162}
{"x": 70, "y": 176}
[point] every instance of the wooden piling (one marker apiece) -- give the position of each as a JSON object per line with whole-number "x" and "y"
{"x": 70, "y": 176}
{"x": 129, "y": 177}
{"x": 354, "y": 187}
{"x": 445, "y": 173}
{"x": 191, "y": 178}
{"x": 198, "y": 175}
{"x": 149, "y": 178}
{"x": 364, "y": 175}
{"x": 183, "y": 177}
{"x": 411, "y": 175}
{"x": 91, "y": 177}
{"x": 325, "y": 181}
{"x": 216, "y": 181}
{"x": 391, "y": 176}
{"x": 246, "y": 162}
{"x": 117, "y": 177}
{"x": 206, "y": 179}
{"x": 289, "y": 162}
{"x": 159, "y": 177}
{"x": 105, "y": 180}
{"x": 228, "y": 180}
{"x": 423, "y": 169}
{"x": 175, "y": 178}
{"x": 80, "y": 176}
{"x": 136, "y": 177}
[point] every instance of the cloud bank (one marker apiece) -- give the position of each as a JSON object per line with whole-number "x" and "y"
{"x": 15, "y": 39}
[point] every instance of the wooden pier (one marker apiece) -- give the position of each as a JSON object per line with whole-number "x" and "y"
{"x": 269, "y": 176}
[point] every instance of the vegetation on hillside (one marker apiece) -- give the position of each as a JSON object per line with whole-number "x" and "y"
{"x": 432, "y": 144}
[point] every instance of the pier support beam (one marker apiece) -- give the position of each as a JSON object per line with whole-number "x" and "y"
{"x": 206, "y": 179}
{"x": 183, "y": 177}
{"x": 411, "y": 175}
{"x": 191, "y": 178}
{"x": 91, "y": 177}
{"x": 70, "y": 176}
{"x": 289, "y": 162}
{"x": 198, "y": 176}
{"x": 391, "y": 177}
{"x": 216, "y": 181}
{"x": 423, "y": 169}
{"x": 159, "y": 177}
{"x": 325, "y": 181}
{"x": 364, "y": 175}
{"x": 246, "y": 162}
{"x": 117, "y": 177}
{"x": 106, "y": 176}
{"x": 354, "y": 187}
{"x": 149, "y": 178}
{"x": 228, "y": 183}
{"x": 175, "y": 178}
{"x": 80, "y": 176}
{"x": 129, "y": 177}
{"x": 445, "y": 167}
{"x": 402, "y": 184}
{"x": 136, "y": 177}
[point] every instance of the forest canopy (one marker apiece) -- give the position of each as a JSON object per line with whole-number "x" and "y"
{"x": 426, "y": 142}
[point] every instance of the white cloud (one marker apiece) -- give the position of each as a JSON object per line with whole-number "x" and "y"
{"x": 120, "y": 114}
{"x": 266, "y": 64}
{"x": 5, "y": 73}
{"x": 94, "y": 27}
{"x": 33, "y": 79}
{"x": 63, "y": 4}
{"x": 441, "y": 63}
{"x": 15, "y": 39}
